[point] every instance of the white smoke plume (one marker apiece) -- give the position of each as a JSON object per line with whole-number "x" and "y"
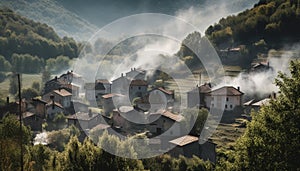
{"x": 262, "y": 84}
{"x": 150, "y": 55}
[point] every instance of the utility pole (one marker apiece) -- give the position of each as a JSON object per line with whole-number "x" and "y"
{"x": 20, "y": 118}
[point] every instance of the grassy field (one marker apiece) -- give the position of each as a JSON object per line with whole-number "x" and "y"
{"x": 226, "y": 135}
{"x": 27, "y": 80}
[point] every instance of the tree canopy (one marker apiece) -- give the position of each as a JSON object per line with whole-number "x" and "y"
{"x": 271, "y": 140}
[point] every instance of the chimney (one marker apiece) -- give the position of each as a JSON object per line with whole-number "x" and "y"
{"x": 121, "y": 74}
{"x": 238, "y": 88}
{"x": 200, "y": 79}
{"x": 131, "y": 69}
{"x": 134, "y": 69}
{"x": 7, "y": 100}
{"x": 268, "y": 64}
{"x": 55, "y": 77}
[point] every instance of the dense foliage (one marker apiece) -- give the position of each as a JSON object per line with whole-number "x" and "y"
{"x": 274, "y": 21}
{"x": 271, "y": 140}
{"x": 23, "y": 36}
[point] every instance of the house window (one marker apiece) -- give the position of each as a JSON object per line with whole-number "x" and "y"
{"x": 227, "y": 99}
{"x": 139, "y": 88}
{"x": 230, "y": 106}
{"x": 226, "y": 106}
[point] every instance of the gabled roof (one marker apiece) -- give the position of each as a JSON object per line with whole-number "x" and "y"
{"x": 62, "y": 92}
{"x": 170, "y": 92}
{"x": 172, "y": 116}
{"x": 103, "y": 81}
{"x": 185, "y": 140}
{"x": 139, "y": 83}
{"x": 73, "y": 74}
{"x": 265, "y": 101}
{"x": 39, "y": 100}
{"x": 122, "y": 77}
{"x": 55, "y": 104}
{"x": 106, "y": 96}
{"x": 248, "y": 103}
{"x": 205, "y": 88}
{"x": 226, "y": 91}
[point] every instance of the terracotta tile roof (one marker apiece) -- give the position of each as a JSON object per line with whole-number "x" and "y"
{"x": 182, "y": 141}
{"x": 55, "y": 103}
{"x": 106, "y": 96}
{"x": 226, "y": 91}
{"x": 172, "y": 116}
{"x": 139, "y": 83}
{"x": 170, "y": 92}
{"x": 62, "y": 92}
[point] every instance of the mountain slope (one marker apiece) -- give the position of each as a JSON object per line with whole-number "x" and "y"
{"x": 64, "y": 22}
{"x": 21, "y": 35}
{"x": 275, "y": 22}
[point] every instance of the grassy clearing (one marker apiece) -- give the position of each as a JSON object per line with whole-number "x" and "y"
{"x": 27, "y": 80}
{"x": 226, "y": 135}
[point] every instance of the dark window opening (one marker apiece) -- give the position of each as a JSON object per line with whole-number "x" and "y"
{"x": 227, "y": 99}
{"x": 225, "y": 106}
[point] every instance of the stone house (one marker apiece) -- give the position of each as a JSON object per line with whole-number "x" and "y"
{"x": 120, "y": 85}
{"x": 158, "y": 93}
{"x": 224, "y": 98}
{"x": 108, "y": 102}
{"x": 84, "y": 120}
{"x": 137, "y": 88}
{"x": 127, "y": 118}
{"x": 196, "y": 97}
{"x": 60, "y": 96}
{"x": 189, "y": 145}
{"x": 161, "y": 122}
{"x": 53, "y": 108}
{"x": 94, "y": 91}
{"x": 136, "y": 74}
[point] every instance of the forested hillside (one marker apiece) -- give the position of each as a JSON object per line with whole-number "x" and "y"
{"x": 32, "y": 47}
{"x": 23, "y": 36}
{"x": 276, "y": 22}
{"x": 270, "y": 24}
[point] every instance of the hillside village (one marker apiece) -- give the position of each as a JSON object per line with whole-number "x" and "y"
{"x": 130, "y": 105}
